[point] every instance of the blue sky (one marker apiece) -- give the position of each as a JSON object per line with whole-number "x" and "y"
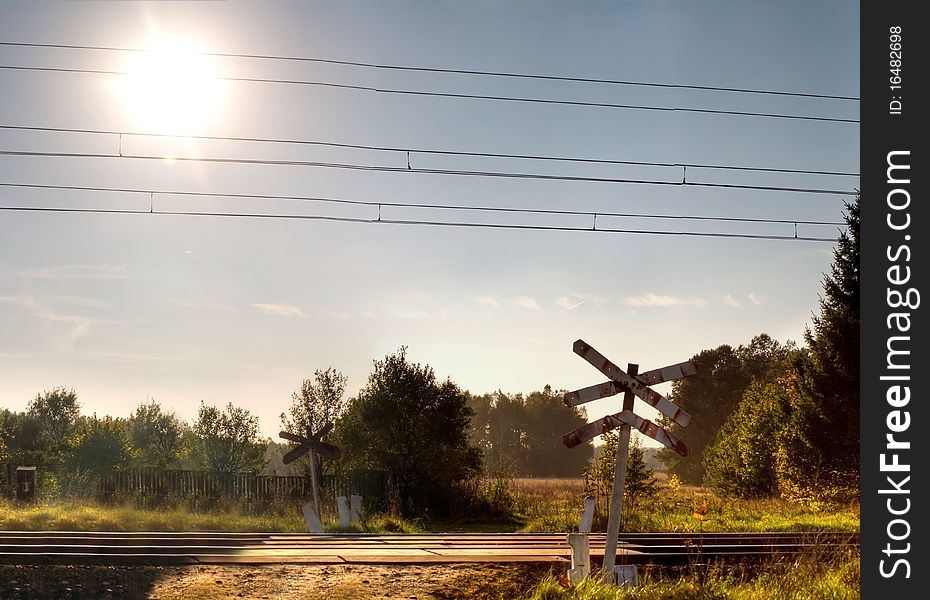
{"x": 184, "y": 309}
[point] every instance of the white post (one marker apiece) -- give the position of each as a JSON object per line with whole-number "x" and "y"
{"x": 616, "y": 501}
{"x": 581, "y": 557}
{"x": 587, "y": 515}
{"x": 314, "y": 525}
{"x": 355, "y": 509}
{"x": 342, "y": 504}
{"x": 314, "y": 484}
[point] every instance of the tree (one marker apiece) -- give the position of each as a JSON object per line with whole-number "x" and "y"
{"x": 57, "y": 411}
{"x": 742, "y": 462}
{"x": 711, "y": 396}
{"x": 100, "y": 446}
{"x": 639, "y": 482}
{"x": 23, "y": 439}
{"x": 156, "y": 436}
{"x": 523, "y": 435}
{"x": 414, "y": 428}
{"x": 819, "y": 446}
{"x": 547, "y": 419}
{"x": 319, "y": 403}
{"x": 228, "y": 441}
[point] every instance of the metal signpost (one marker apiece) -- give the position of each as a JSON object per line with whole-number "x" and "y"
{"x": 312, "y": 444}
{"x": 633, "y": 384}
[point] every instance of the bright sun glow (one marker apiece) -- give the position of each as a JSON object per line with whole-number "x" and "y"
{"x": 172, "y": 89}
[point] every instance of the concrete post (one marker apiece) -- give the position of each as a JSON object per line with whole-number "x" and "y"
{"x": 356, "y": 512}
{"x": 314, "y": 525}
{"x": 342, "y": 504}
{"x": 581, "y": 557}
{"x": 587, "y": 515}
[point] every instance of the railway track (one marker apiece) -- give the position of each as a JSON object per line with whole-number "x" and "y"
{"x": 150, "y": 548}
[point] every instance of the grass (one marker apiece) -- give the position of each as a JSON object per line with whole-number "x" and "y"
{"x": 805, "y": 578}
{"x": 555, "y": 505}
{"x": 94, "y": 517}
{"x": 537, "y": 505}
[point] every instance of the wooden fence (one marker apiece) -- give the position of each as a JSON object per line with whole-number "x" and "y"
{"x": 153, "y": 484}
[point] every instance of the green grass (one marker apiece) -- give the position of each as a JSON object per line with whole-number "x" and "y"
{"x": 94, "y": 517}
{"x": 803, "y": 579}
{"x": 555, "y": 505}
{"x": 538, "y": 505}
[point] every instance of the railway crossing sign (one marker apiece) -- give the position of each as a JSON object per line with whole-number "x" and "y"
{"x": 308, "y": 443}
{"x": 311, "y": 444}
{"x": 635, "y": 384}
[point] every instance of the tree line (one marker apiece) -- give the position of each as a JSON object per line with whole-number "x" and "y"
{"x": 420, "y": 431}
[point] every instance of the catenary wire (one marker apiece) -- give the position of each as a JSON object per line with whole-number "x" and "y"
{"x": 415, "y": 222}
{"x": 452, "y": 71}
{"x": 424, "y": 171}
{"x": 427, "y": 151}
{"x": 416, "y": 205}
{"x": 422, "y": 93}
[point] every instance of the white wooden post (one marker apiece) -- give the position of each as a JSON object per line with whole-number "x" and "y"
{"x": 616, "y": 501}
{"x": 317, "y": 525}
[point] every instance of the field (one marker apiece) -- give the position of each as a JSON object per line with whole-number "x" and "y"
{"x": 528, "y": 505}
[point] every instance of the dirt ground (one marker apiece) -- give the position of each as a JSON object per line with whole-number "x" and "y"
{"x": 307, "y": 582}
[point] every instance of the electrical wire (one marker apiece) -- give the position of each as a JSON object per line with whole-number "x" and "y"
{"x": 422, "y": 93}
{"x": 417, "y": 205}
{"x": 414, "y": 222}
{"x": 452, "y": 71}
{"x": 434, "y": 152}
{"x": 423, "y": 171}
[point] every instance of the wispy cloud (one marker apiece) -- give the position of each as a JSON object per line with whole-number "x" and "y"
{"x": 128, "y": 357}
{"x": 729, "y": 300}
{"x": 756, "y": 299}
{"x": 78, "y": 272}
{"x": 81, "y": 319}
{"x": 78, "y": 301}
{"x": 651, "y": 299}
{"x": 568, "y": 303}
{"x": 487, "y": 301}
{"x": 200, "y": 303}
{"x": 524, "y": 302}
{"x": 282, "y": 310}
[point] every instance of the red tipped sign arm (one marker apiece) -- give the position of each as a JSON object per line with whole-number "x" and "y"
{"x": 627, "y": 382}
{"x": 669, "y": 373}
{"x": 594, "y": 392}
{"x": 596, "y": 428}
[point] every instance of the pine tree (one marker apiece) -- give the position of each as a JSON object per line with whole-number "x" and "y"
{"x": 819, "y": 446}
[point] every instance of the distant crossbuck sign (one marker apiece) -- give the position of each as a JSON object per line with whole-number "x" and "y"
{"x": 310, "y": 442}
{"x": 638, "y": 385}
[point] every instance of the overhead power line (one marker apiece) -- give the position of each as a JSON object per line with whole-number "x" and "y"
{"x": 453, "y": 207}
{"x": 423, "y": 171}
{"x": 454, "y": 71}
{"x": 435, "y": 152}
{"x": 414, "y": 222}
{"x": 423, "y": 93}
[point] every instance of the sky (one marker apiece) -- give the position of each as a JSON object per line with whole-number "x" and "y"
{"x": 184, "y": 309}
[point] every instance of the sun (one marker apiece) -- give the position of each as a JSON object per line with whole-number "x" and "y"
{"x": 171, "y": 88}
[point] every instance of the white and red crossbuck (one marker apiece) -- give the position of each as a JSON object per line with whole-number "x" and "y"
{"x": 637, "y": 384}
